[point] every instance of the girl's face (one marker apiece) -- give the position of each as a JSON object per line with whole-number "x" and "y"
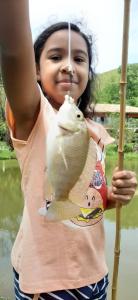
{"x": 53, "y": 67}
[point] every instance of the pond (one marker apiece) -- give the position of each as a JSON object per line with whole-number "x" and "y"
{"x": 11, "y": 205}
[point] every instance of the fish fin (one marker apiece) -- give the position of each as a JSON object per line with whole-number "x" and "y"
{"x": 63, "y": 210}
{"x": 64, "y": 158}
{"x": 63, "y": 154}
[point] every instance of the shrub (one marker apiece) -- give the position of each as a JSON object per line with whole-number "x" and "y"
{"x": 129, "y": 147}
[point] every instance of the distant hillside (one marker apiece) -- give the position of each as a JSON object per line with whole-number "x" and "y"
{"x": 108, "y": 86}
{"x": 109, "y": 76}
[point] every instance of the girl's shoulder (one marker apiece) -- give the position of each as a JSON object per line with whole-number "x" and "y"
{"x": 98, "y": 132}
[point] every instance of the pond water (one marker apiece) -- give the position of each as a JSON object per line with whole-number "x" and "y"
{"x": 11, "y": 206}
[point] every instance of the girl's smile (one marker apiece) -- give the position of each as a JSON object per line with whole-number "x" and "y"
{"x": 53, "y": 72}
{"x": 67, "y": 84}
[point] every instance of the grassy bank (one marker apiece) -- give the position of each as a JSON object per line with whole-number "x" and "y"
{"x": 111, "y": 151}
{"x": 5, "y": 152}
{"x": 129, "y": 153}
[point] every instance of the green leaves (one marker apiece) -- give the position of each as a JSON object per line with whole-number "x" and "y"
{"x": 109, "y": 86}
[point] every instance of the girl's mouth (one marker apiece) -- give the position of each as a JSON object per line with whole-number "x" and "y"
{"x": 65, "y": 86}
{"x": 65, "y": 131}
{"x": 67, "y": 81}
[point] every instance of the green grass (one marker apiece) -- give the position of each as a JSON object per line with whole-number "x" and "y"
{"x": 130, "y": 155}
{"x": 5, "y": 152}
{"x": 112, "y": 150}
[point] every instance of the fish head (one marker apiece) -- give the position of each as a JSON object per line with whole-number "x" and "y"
{"x": 69, "y": 117}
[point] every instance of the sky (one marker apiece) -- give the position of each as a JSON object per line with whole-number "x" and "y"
{"x": 102, "y": 18}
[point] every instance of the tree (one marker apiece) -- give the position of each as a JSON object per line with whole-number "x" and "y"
{"x": 108, "y": 86}
{"x": 132, "y": 84}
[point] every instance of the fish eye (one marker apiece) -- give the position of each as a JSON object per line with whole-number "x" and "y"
{"x": 78, "y": 116}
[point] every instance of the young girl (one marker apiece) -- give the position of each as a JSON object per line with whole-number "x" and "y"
{"x": 50, "y": 259}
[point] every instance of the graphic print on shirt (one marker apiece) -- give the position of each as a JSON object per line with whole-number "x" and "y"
{"x": 94, "y": 201}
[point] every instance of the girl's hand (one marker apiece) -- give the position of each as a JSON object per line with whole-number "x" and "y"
{"x": 123, "y": 186}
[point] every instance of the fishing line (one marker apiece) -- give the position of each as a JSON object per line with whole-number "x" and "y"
{"x": 79, "y": 102}
{"x": 69, "y": 47}
{"x": 70, "y": 69}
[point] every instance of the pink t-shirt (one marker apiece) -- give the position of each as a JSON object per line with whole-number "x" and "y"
{"x": 51, "y": 255}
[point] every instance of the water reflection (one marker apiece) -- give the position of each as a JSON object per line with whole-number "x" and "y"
{"x": 128, "y": 265}
{"x": 11, "y": 203}
{"x": 11, "y": 206}
{"x": 129, "y": 215}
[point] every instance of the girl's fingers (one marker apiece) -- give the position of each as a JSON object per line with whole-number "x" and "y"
{"x": 124, "y": 185}
{"x": 123, "y": 199}
{"x": 123, "y": 191}
{"x": 123, "y": 174}
{"x": 124, "y": 179}
{"x": 119, "y": 183}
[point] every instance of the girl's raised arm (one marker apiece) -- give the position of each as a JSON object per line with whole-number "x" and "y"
{"x": 18, "y": 64}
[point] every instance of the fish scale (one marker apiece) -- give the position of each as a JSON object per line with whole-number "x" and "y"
{"x": 75, "y": 161}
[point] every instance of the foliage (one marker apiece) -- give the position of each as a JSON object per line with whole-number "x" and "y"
{"x": 3, "y": 130}
{"x": 132, "y": 81}
{"x": 130, "y": 134}
{"x": 128, "y": 147}
{"x": 109, "y": 85}
{"x": 110, "y": 149}
{"x": 5, "y": 151}
{"x": 7, "y": 154}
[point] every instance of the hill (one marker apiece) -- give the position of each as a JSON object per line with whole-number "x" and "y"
{"x": 108, "y": 84}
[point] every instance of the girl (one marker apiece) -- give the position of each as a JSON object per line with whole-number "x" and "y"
{"x": 50, "y": 259}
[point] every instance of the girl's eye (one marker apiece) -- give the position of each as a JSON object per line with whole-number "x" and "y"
{"x": 79, "y": 59}
{"x": 55, "y": 57}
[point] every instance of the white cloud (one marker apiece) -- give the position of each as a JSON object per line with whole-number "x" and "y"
{"x": 104, "y": 18}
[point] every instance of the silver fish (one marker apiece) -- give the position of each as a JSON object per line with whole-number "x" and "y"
{"x": 67, "y": 149}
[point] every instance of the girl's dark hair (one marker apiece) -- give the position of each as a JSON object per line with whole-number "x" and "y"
{"x": 88, "y": 95}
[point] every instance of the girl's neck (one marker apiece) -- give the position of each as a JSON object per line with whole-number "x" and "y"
{"x": 54, "y": 104}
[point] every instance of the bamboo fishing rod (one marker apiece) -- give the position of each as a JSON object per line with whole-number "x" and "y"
{"x": 123, "y": 83}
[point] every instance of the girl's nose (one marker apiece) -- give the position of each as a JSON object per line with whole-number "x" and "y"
{"x": 67, "y": 68}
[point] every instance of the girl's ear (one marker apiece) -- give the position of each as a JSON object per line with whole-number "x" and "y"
{"x": 38, "y": 72}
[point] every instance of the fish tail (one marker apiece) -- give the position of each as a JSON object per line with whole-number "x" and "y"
{"x": 63, "y": 210}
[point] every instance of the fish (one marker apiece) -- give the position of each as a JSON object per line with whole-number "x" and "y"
{"x": 68, "y": 144}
